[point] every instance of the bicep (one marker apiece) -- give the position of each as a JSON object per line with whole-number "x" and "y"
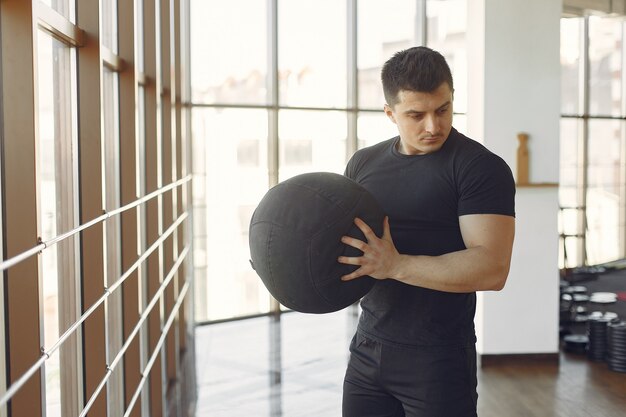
{"x": 493, "y": 232}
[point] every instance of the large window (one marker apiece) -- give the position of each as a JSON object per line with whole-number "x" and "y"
{"x": 447, "y": 26}
{"x": 382, "y": 30}
{"x": 235, "y": 167}
{"x": 89, "y": 327}
{"x": 593, "y": 104}
{"x": 293, "y": 87}
{"x": 229, "y": 51}
{"x": 312, "y": 59}
{"x": 57, "y": 166}
{"x": 66, "y": 8}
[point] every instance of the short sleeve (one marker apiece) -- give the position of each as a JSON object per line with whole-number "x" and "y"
{"x": 486, "y": 186}
{"x": 349, "y": 171}
{"x": 353, "y": 165}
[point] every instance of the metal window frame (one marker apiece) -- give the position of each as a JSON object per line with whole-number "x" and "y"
{"x": 129, "y": 190}
{"x": 91, "y": 192}
{"x": 153, "y": 178}
{"x": 353, "y": 76}
{"x": 20, "y": 23}
{"x": 113, "y": 233}
{"x": 584, "y": 118}
{"x": 168, "y": 166}
{"x": 273, "y": 98}
{"x": 66, "y": 184}
{"x": 58, "y": 25}
{"x": 273, "y": 105}
{"x": 622, "y": 196}
{"x": 20, "y": 221}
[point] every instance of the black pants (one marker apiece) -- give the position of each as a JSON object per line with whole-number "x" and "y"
{"x": 390, "y": 381}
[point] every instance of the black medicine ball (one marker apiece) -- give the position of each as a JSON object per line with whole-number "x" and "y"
{"x": 295, "y": 237}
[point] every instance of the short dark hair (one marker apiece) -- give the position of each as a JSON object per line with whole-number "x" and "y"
{"x": 415, "y": 69}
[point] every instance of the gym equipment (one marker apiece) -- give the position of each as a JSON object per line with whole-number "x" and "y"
{"x": 603, "y": 297}
{"x": 575, "y": 289}
{"x": 616, "y": 350}
{"x": 573, "y": 305}
{"x": 295, "y": 241}
{"x": 576, "y": 343}
{"x": 597, "y": 330}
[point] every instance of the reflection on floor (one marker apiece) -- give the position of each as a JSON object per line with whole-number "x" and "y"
{"x": 261, "y": 367}
{"x": 294, "y": 368}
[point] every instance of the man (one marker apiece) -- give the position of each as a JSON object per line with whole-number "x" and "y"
{"x": 449, "y": 233}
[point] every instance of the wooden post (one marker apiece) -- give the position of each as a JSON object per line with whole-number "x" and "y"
{"x": 522, "y": 159}
{"x": 22, "y": 334}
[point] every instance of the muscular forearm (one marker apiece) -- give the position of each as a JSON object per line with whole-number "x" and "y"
{"x": 483, "y": 266}
{"x": 473, "y": 269}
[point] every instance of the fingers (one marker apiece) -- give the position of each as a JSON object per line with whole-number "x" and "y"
{"x": 367, "y": 231}
{"x": 373, "y": 250}
{"x": 349, "y": 260}
{"x": 386, "y": 229}
{"x": 357, "y": 273}
{"x": 355, "y": 243}
{"x": 363, "y": 270}
{"x": 354, "y": 275}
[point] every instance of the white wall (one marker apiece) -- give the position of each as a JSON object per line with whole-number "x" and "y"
{"x": 524, "y": 316}
{"x": 514, "y": 79}
{"x": 514, "y": 86}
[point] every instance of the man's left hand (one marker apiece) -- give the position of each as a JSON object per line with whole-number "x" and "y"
{"x": 380, "y": 257}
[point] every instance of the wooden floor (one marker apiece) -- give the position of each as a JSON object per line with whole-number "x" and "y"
{"x": 294, "y": 368}
{"x": 576, "y": 387}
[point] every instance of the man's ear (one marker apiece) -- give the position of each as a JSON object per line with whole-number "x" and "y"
{"x": 389, "y": 113}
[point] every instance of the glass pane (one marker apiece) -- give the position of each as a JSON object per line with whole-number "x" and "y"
{"x": 568, "y": 175}
{"x": 373, "y": 128}
{"x": 460, "y": 124}
{"x": 382, "y": 31}
{"x": 139, "y": 43}
{"x": 111, "y": 185}
{"x": 236, "y": 146}
{"x": 312, "y": 55}
{"x": 603, "y": 191}
{"x": 311, "y": 141}
{"x": 570, "y": 213}
{"x": 200, "y": 291}
{"x": 229, "y": 60}
{"x": 199, "y": 189}
{"x": 109, "y": 24}
{"x": 64, "y": 7}
{"x": 570, "y": 64}
{"x": 605, "y": 65}
{"x": 57, "y": 173}
{"x": 447, "y": 25}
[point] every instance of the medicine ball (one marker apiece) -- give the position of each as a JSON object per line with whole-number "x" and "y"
{"x": 295, "y": 241}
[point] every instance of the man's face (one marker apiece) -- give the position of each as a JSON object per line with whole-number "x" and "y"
{"x": 424, "y": 120}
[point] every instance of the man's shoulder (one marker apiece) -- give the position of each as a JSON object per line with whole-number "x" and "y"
{"x": 468, "y": 150}
{"x": 373, "y": 151}
{"x": 369, "y": 156}
{"x": 466, "y": 145}
{"x": 471, "y": 156}
{"x": 377, "y": 148}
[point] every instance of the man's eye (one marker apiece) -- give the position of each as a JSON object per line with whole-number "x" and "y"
{"x": 443, "y": 111}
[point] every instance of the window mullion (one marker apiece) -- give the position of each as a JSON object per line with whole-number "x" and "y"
{"x": 23, "y": 315}
{"x": 583, "y": 142}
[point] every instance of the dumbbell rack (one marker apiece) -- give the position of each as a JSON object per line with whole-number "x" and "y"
{"x": 604, "y": 336}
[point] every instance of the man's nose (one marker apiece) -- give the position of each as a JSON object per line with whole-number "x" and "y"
{"x": 430, "y": 123}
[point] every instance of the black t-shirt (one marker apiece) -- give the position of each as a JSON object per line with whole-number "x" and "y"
{"x": 424, "y": 195}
